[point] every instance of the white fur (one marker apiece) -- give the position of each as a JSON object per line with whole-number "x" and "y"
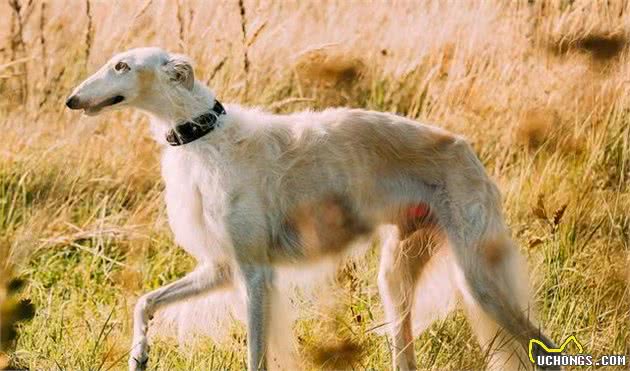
{"x": 263, "y": 196}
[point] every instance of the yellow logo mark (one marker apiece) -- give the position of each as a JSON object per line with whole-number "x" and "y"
{"x": 553, "y": 350}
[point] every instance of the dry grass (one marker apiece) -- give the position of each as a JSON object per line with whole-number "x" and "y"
{"x": 540, "y": 89}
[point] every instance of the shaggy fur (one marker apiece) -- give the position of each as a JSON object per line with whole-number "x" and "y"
{"x": 264, "y": 191}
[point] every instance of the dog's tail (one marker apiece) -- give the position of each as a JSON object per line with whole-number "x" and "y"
{"x": 441, "y": 288}
{"x": 469, "y": 208}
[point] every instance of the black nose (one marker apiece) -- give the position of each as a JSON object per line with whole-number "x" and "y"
{"x": 72, "y": 102}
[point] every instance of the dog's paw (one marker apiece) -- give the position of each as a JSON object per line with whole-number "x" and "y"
{"x": 138, "y": 363}
{"x": 139, "y": 356}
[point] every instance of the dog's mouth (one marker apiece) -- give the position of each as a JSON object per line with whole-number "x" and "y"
{"x": 93, "y": 110}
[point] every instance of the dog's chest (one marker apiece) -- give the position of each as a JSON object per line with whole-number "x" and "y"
{"x": 196, "y": 197}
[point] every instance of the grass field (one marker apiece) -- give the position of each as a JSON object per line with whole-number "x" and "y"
{"x": 541, "y": 89}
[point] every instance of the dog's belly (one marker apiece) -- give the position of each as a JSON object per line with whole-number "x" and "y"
{"x": 327, "y": 216}
{"x": 313, "y": 230}
{"x": 326, "y": 211}
{"x": 330, "y": 226}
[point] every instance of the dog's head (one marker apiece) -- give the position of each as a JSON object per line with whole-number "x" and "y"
{"x": 144, "y": 78}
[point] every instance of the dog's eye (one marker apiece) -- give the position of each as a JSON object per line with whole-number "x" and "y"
{"x": 121, "y": 66}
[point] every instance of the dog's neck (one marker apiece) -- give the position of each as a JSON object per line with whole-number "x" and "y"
{"x": 180, "y": 108}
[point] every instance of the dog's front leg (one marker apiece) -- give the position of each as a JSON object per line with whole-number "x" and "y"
{"x": 259, "y": 284}
{"x": 200, "y": 281}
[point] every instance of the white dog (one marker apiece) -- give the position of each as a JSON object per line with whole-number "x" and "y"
{"x": 247, "y": 191}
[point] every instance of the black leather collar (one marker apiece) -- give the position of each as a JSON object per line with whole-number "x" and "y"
{"x": 196, "y": 128}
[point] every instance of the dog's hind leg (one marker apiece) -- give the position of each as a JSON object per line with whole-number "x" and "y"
{"x": 400, "y": 265}
{"x": 396, "y": 288}
{"x": 202, "y": 280}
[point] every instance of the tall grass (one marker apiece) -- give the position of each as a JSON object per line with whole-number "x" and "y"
{"x": 539, "y": 87}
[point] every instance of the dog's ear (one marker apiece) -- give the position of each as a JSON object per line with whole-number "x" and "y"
{"x": 179, "y": 69}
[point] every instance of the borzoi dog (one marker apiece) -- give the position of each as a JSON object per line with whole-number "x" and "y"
{"x": 248, "y": 191}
